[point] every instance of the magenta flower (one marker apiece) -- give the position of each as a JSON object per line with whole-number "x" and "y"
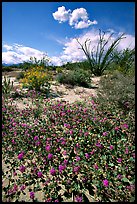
{"x": 52, "y": 171}
{"x": 32, "y": 195}
{"x": 65, "y": 161}
{"x": 15, "y": 188}
{"x": 111, "y": 147}
{"x": 119, "y": 160}
{"x": 116, "y": 128}
{"x": 22, "y": 168}
{"x": 105, "y": 182}
{"x": 36, "y": 138}
{"x": 61, "y": 168}
{"x": 99, "y": 145}
{"x": 78, "y": 198}
{"x": 77, "y": 145}
{"x": 92, "y": 152}
{"x": 77, "y": 158}
{"x": 71, "y": 132}
{"x": 87, "y": 155}
{"x": 119, "y": 176}
{"x": 39, "y": 174}
{"x": 15, "y": 173}
{"x": 50, "y": 156}
{"x": 22, "y": 188}
{"x": 76, "y": 169}
{"x": 56, "y": 200}
{"x": 96, "y": 166}
{"x": 126, "y": 150}
{"x": 20, "y": 156}
{"x": 47, "y": 148}
{"x": 86, "y": 134}
{"x": 125, "y": 126}
{"x": 105, "y": 133}
{"x": 13, "y": 141}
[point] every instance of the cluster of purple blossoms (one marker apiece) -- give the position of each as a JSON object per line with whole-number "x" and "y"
{"x": 105, "y": 183}
{"x": 32, "y": 195}
{"x": 20, "y": 156}
{"x": 52, "y": 171}
{"x": 22, "y": 168}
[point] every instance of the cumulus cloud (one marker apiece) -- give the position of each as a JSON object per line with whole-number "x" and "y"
{"x": 18, "y": 53}
{"x": 70, "y": 51}
{"x": 73, "y": 53}
{"x": 78, "y": 18}
{"x": 61, "y": 14}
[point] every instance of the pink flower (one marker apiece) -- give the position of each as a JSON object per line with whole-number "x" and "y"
{"x": 105, "y": 133}
{"x": 78, "y": 198}
{"x": 77, "y": 158}
{"x": 15, "y": 173}
{"x": 125, "y": 126}
{"x": 65, "y": 161}
{"x": 86, "y": 134}
{"x": 92, "y": 152}
{"x": 111, "y": 147}
{"x": 22, "y": 188}
{"x": 20, "y": 156}
{"x": 47, "y": 148}
{"x": 39, "y": 174}
{"x": 105, "y": 182}
{"x": 50, "y": 156}
{"x": 71, "y": 132}
{"x": 119, "y": 176}
{"x": 126, "y": 151}
{"x": 76, "y": 169}
{"x": 13, "y": 141}
{"x": 96, "y": 166}
{"x": 116, "y": 128}
{"x": 61, "y": 168}
{"x": 32, "y": 195}
{"x": 64, "y": 152}
{"x": 119, "y": 160}
{"x": 52, "y": 171}
{"x": 87, "y": 155}
{"x": 15, "y": 188}
{"x": 22, "y": 168}
{"x": 36, "y": 138}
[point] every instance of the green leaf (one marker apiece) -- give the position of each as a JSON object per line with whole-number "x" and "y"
{"x": 125, "y": 180}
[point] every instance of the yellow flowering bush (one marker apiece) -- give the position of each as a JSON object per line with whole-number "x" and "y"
{"x": 37, "y": 78}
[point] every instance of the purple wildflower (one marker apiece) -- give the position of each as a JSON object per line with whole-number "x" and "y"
{"x": 96, "y": 166}
{"x": 119, "y": 176}
{"x": 111, "y": 147}
{"x": 77, "y": 158}
{"x": 22, "y": 188}
{"x": 39, "y": 174}
{"x": 76, "y": 169}
{"x": 22, "y": 168}
{"x": 105, "y": 133}
{"x": 32, "y": 195}
{"x": 61, "y": 168}
{"x": 47, "y": 148}
{"x": 87, "y": 155}
{"x": 52, "y": 171}
{"x": 125, "y": 126}
{"x": 119, "y": 160}
{"x": 36, "y": 138}
{"x": 50, "y": 156}
{"x": 78, "y": 198}
{"x": 20, "y": 156}
{"x": 105, "y": 182}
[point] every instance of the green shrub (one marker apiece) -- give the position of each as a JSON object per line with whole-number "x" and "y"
{"x": 20, "y": 75}
{"x": 7, "y": 69}
{"x": 119, "y": 91}
{"x": 75, "y": 77}
{"x": 7, "y": 87}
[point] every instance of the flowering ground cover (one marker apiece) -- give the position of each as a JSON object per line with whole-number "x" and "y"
{"x": 66, "y": 152}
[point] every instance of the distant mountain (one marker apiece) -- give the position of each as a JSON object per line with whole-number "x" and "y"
{"x": 6, "y": 65}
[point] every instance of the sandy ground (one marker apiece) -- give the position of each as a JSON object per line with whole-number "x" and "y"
{"x": 61, "y": 92}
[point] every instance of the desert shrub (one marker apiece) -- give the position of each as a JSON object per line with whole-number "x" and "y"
{"x": 124, "y": 60}
{"x": 37, "y": 78}
{"x": 20, "y": 75}
{"x": 78, "y": 77}
{"x": 59, "y": 69}
{"x": 118, "y": 90}
{"x": 7, "y": 69}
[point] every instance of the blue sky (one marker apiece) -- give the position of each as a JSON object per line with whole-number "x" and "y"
{"x": 35, "y": 28}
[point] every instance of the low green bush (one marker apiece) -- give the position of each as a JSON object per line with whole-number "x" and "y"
{"x": 75, "y": 77}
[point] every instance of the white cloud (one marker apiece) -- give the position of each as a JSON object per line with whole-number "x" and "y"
{"x": 61, "y": 14}
{"x": 19, "y": 53}
{"x": 8, "y": 47}
{"x": 78, "y": 18}
{"x": 71, "y": 51}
